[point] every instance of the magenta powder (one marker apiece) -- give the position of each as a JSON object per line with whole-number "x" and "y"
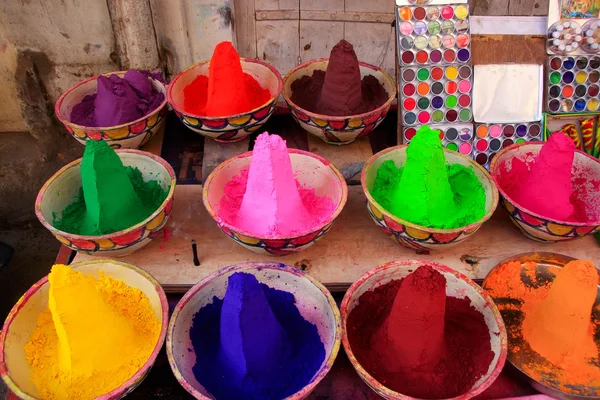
{"x": 267, "y": 200}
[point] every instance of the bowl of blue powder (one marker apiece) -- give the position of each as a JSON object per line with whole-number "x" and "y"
{"x": 254, "y": 331}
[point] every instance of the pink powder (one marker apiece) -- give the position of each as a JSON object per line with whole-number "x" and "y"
{"x": 267, "y": 200}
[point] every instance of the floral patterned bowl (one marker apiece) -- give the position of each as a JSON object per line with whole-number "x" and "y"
{"x": 414, "y": 236}
{"x": 311, "y": 171}
{"x": 313, "y": 300}
{"x": 229, "y": 128}
{"x": 64, "y": 186}
{"x": 21, "y": 322}
{"x": 338, "y": 130}
{"x": 131, "y": 135}
{"x": 537, "y": 227}
{"x": 457, "y": 285}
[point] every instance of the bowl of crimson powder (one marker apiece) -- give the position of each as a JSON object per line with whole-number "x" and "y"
{"x": 226, "y": 98}
{"x": 422, "y": 330}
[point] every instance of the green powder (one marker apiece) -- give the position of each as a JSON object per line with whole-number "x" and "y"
{"x": 112, "y": 198}
{"x": 426, "y": 191}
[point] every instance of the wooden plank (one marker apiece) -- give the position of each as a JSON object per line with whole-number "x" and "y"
{"x": 244, "y": 28}
{"x": 495, "y": 49}
{"x": 528, "y": 7}
{"x": 353, "y": 246}
{"x": 317, "y": 38}
{"x": 215, "y": 153}
{"x": 489, "y": 7}
{"x": 349, "y": 158}
{"x": 278, "y": 43}
{"x": 370, "y": 6}
{"x": 329, "y": 5}
{"x": 374, "y": 43}
{"x": 347, "y": 16}
{"x": 276, "y": 4}
{"x": 277, "y": 14}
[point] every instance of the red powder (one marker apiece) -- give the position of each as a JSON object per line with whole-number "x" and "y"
{"x": 227, "y": 90}
{"x": 416, "y": 341}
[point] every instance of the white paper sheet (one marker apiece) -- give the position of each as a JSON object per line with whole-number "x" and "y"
{"x": 507, "y": 93}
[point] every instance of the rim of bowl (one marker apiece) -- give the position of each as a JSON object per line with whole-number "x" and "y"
{"x": 258, "y": 265}
{"x": 133, "y": 380}
{"x": 51, "y": 228}
{"x": 440, "y": 267}
{"x": 387, "y": 76}
{"x": 65, "y": 120}
{"x": 494, "y": 170}
{"x": 332, "y": 217}
{"x": 204, "y": 117}
{"x": 480, "y": 221}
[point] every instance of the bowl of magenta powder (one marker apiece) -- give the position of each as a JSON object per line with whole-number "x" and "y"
{"x": 125, "y": 108}
{"x": 550, "y": 190}
{"x": 108, "y": 203}
{"x": 254, "y": 331}
{"x": 425, "y": 196}
{"x": 274, "y": 200}
{"x": 416, "y": 329}
{"x": 338, "y": 99}
{"x": 226, "y": 98}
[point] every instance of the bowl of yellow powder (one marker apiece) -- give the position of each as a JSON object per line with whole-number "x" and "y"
{"x": 108, "y": 203}
{"x": 427, "y": 197}
{"x": 86, "y": 331}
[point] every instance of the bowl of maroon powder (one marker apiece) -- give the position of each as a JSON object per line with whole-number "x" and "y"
{"x": 338, "y": 99}
{"x": 416, "y": 329}
{"x": 226, "y": 98}
{"x": 125, "y": 109}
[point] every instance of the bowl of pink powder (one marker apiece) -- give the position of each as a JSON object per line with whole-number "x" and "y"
{"x": 420, "y": 330}
{"x": 550, "y": 190}
{"x": 226, "y": 98}
{"x": 338, "y": 99}
{"x": 126, "y": 108}
{"x": 275, "y": 200}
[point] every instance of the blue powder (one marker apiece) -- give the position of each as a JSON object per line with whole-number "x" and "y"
{"x": 267, "y": 350}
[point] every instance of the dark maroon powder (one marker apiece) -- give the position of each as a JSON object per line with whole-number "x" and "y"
{"x": 339, "y": 91}
{"x": 401, "y": 337}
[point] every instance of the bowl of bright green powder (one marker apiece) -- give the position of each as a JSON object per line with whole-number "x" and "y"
{"x": 427, "y": 197}
{"x": 109, "y": 202}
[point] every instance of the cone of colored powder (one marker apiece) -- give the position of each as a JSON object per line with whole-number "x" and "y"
{"x": 341, "y": 92}
{"x": 547, "y": 188}
{"x": 424, "y": 191}
{"x": 272, "y": 201}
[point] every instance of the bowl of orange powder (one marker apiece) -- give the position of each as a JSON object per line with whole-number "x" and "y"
{"x": 226, "y": 98}
{"x": 91, "y": 330}
{"x": 549, "y": 303}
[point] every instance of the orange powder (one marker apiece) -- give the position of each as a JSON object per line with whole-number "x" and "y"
{"x": 557, "y": 319}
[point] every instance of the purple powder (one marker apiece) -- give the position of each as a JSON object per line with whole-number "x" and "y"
{"x": 118, "y": 100}
{"x": 254, "y": 344}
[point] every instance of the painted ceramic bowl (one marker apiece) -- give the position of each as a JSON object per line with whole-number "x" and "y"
{"x": 457, "y": 285}
{"x": 310, "y": 170}
{"x": 22, "y": 319}
{"x": 338, "y": 130}
{"x": 412, "y": 235}
{"x": 64, "y": 187}
{"x": 131, "y": 135}
{"x": 537, "y": 227}
{"x": 312, "y": 299}
{"x": 227, "y": 128}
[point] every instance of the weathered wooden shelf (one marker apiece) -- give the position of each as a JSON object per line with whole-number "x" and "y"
{"x": 353, "y": 246}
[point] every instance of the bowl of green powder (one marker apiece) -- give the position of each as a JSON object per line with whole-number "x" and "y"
{"x": 109, "y": 202}
{"x": 427, "y": 197}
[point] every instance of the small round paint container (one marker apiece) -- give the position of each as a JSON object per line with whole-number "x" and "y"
{"x": 461, "y": 12}
{"x": 447, "y": 27}
{"x": 452, "y": 146}
{"x": 410, "y": 118}
{"x": 496, "y": 131}
{"x": 409, "y": 104}
{"x": 424, "y": 117}
{"x": 568, "y": 63}
{"x": 420, "y": 28}
{"x": 594, "y": 76}
{"x": 420, "y": 42}
{"x": 595, "y": 62}
{"x": 465, "y": 148}
{"x": 465, "y": 71}
{"x": 433, "y": 13}
{"x": 592, "y": 104}
{"x": 434, "y": 28}
{"x": 593, "y": 90}
{"x": 451, "y": 87}
{"x": 451, "y": 134}
{"x": 464, "y": 86}
{"x": 568, "y": 77}
{"x": 534, "y": 130}
{"x": 435, "y": 56}
{"x": 409, "y": 133}
{"x": 508, "y": 130}
{"x": 495, "y": 145}
{"x": 464, "y": 100}
{"x": 567, "y": 91}
{"x": 580, "y": 91}
{"x": 437, "y": 88}
{"x": 521, "y": 130}
{"x": 566, "y": 105}
{"x": 553, "y": 105}
{"x": 419, "y": 13}
{"x": 423, "y": 89}
{"x": 464, "y": 55}
{"x": 554, "y": 91}
{"x": 449, "y": 55}
{"x": 405, "y": 13}
{"x": 481, "y": 145}
{"x": 451, "y": 115}
{"x": 481, "y": 158}
{"x": 462, "y": 26}
{"x": 451, "y": 73}
{"x": 556, "y": 63}
{"x": 408, "y": 90}
{"x": 437, "y": 73}
{"x": 482, "y": 131}
{"x": 422, "y": 57}
{"x": 581, "y": 63}
{"x": 437, "y": 102}
{"x": 435, "y": 42}
{"x": 437, "y": 116}
{"x": 407, "y": 57}
{"x": 447, "y": 12}
{"x": 423, "y": 103}
{"x": 408, "y": 75}
{"x": 448, "y": 41}
{"x": 462, "y": 40}
{"x": 406, "y": 28}
{"x": 465, "y": 115}
{"x": 579, "y": 105}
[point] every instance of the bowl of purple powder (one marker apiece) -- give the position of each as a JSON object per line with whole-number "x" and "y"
{"x": 338, "y": 99}
{"x": 126, "y": 108}
{"x": 254, "y": 331}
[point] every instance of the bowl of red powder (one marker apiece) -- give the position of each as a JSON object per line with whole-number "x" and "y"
{"x": 274, "y": 200}
{"x": 471, "y": 192}
{"x": 416, "y": 329}
{"x": 338, "y": 99}
{"x": 22, "y": 321}
{"x": 550, "y": 190}
{"x": 282, "y": 333}
{"x": 226, "y": 98}
{"x": 61, "y": 198}
{"x": 126, "y": 111}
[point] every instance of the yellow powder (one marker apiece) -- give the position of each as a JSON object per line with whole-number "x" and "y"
{"x": 94, "y": 336}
